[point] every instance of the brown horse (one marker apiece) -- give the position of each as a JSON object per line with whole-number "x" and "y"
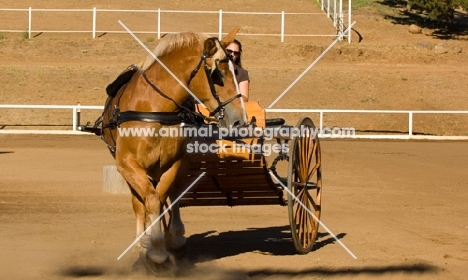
{"x": 153, "y": 100}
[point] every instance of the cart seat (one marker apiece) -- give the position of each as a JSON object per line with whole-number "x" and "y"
{"x": 255, "y": 114}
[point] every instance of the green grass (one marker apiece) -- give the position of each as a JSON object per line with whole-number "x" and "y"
{"x": 373, "y": 4}
{"x": 369, "y": 100}
{"x": 356, "y": 4}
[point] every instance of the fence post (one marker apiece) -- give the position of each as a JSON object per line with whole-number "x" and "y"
{"x": 334, "y": 13}
{"x": 321, "y": 122}
{"x": 159, "y": 23}
{"x": 349, "y": 20}
{"x": 29, "y": 22}
{"x": 78, "y": 116}
{"x": 340, "y": 27}
{"x": 282, "y": 26}
{"x": 410, "y": 124}
{"x": 94, "y": 23}
{"x": 220, "y": 28}
{"x": 74, "y": 118}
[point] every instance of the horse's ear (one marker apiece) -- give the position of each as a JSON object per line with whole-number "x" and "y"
{"x": 230, "y": 37}
{"x": 210, "y": 47}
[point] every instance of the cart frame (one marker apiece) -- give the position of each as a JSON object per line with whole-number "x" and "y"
{"x": 236, "y": 175}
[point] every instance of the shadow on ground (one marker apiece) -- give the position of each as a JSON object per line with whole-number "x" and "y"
{"x": 192, "y": 272}
{"x": 399, "y": 269}
{"x": 275, "y": 241}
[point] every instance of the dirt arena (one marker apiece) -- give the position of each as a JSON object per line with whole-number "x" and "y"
{"x": 399, "y": 206}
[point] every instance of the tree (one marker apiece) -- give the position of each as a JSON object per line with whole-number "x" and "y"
{"x": 440, "y": 9}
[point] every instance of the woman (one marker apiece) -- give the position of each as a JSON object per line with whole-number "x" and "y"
{"x": 242, "y": 76}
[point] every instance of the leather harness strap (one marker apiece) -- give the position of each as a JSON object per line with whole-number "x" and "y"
{"x": 165, "y": 118}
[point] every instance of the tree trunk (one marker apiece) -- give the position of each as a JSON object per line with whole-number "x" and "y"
{"x": 450, "y": 20}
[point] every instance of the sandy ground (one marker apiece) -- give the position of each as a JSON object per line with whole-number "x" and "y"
{"x": 398, "y": 206}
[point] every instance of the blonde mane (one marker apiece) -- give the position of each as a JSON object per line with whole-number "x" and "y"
{"x": 171, "y": 42}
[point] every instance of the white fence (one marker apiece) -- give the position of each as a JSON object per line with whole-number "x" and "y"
{"x": 76, "y": 110}
{"x": 332, "y": 8}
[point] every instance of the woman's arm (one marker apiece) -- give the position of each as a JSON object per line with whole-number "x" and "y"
{"x": 244, "y": 89}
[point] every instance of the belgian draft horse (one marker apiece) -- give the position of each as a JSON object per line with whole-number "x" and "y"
{"x": 153, "y": 100}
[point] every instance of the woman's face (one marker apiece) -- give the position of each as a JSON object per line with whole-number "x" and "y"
{"x": 233, "y": 50}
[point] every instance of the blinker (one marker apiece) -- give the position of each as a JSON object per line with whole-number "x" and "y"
{"x": 217, "y": 77}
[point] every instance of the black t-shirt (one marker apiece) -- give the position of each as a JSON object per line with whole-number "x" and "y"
{"x": 241, "y": 74}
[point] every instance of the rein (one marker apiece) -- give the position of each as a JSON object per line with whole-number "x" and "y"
{"x": 214, "y": 78}
{"x": 181, "y": 108}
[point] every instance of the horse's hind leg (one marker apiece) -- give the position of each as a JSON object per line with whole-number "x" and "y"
{"x": 175, "y": 239}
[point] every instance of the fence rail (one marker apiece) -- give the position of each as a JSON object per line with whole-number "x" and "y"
{"x": 335, "y": 12}
{"x": 76, "y": 111}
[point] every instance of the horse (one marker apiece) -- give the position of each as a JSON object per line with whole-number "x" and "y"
{"x": 153, "y": 99}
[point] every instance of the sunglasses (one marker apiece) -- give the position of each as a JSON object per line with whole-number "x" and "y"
{"x": 232, "y": 52}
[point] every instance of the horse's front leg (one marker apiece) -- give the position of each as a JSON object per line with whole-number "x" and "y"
{"x": 156, "y": 252}
{"x": 141, "y": 223}
{"x": 147, "y": 205}
{"x": 140, "y": 216}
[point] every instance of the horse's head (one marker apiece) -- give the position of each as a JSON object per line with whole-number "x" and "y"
{"x": 219, "y": 90}
{"x": 182, "y": 55}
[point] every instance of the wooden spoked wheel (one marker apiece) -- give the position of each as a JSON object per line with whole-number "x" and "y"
{"x": 305, "y": 182}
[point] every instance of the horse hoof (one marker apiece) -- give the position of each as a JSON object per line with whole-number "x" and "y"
{"x": 179, "y": 252}
{"x": 139, "y": 266}
{"x": 165, "y": 269}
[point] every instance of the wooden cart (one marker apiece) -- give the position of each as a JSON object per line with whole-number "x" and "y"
{"x": 239, "y": 173}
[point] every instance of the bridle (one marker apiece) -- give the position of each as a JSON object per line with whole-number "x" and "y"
{"x": 214, "y": 77}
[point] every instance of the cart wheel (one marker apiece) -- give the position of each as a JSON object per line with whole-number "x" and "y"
{"x": 305, "y": 182}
